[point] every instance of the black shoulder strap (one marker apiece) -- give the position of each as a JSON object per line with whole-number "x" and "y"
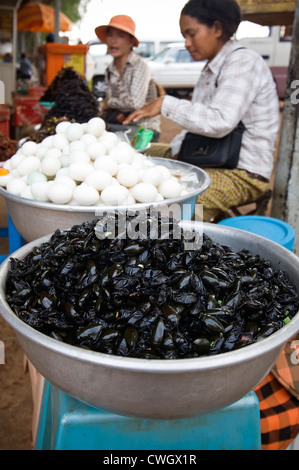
{"x": 216, "y": 82}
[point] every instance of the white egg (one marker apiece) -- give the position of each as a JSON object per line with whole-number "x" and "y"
{"x": 109, "y": 139}
{"x": 114, "y": 181}
{"x": 26, "y": 193}
{"x": 53, "y": 152}
{"x": 99, "y": 179}
{"x": 64, "y": 160}
{"x": 60, "y": 193}
{"x": 78, "y": 156}
{"x": 66, "y": 150}
{"x": 41, "y": 151}
{"x": 47, "y": 141}
{"x": 76, "y": 145}
{"x": 170, "y": 188}
{"x": 21, "y": 141}
{"x": 79, "y": 170}
{"x": 122, "y": 152}
{"x": 73, "y": 202}
{"x": 106, "y": 163}
{"x": 35, "y": 176}
{"x": 114, "y": 195}
{"x": 159, "y": 198}
{"x": 40, "y": 191}
{"x": 128, "y": 176}
{"x": 66, "y": 180}
{"x": 96, "y": 126}
{"x": 84, "y": 126}
{"x": 130, "y": 200}
{"x": 29, "y": 148}
{"x": 88, "y": 139}
{"x": 152, "y": 175}
{"x": 50, "y": 166}
{"x": 74, "y": 131}
{"x": 62, "y": 172}
{"x": 62, "y": 127}
{"x": 86, "y": 195}
{"x": 7, "y": 165}
{"x": 165, "y": 171}
{"x": 144, "y": 192}
{"x": 138, "y": 161}
{"x": 60, "y": 141}
{"x": 4, "y": 179}
{"x": 15, "y": 186}
{"x": 16, "y": 159}
{"x": 95, "y": 150}
{"x": 28, "y": 164}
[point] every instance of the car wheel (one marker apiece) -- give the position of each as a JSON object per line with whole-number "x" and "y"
{"x": 179, "y": 92}
{"x": 99, "y": 86}
{"x": 183, "y": 93}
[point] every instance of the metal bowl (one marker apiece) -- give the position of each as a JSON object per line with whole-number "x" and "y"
{"x": 34, "y": 219}
{"x": 159, "y": 389}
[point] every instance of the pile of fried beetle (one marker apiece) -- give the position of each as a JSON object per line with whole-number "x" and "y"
{"x": 148, "y": 297}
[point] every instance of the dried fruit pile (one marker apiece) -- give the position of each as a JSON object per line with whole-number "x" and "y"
{"x": 148, "y": 297}
{"x": 72, "y": 97}
{"x": 8, "y": 147}
{"x": 73, "y": 102}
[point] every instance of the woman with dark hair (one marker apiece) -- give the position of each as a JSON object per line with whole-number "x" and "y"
{"x": 235, "y": 85}
{"x": 128, "y": 77}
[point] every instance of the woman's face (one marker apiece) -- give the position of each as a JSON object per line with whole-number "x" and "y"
{"x": 203, "y": 42}
{"x": 119, "y": 42}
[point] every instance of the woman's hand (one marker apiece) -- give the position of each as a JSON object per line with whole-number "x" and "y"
{"x": 149, "y": 110}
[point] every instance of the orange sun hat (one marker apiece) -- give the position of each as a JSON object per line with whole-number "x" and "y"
{"x": 122, "y": 22}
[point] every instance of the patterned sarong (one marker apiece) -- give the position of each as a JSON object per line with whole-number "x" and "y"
{"x": 229, "y": 188}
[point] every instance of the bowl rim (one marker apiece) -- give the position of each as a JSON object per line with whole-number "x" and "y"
{"x": 140, "y": 365}
{"x": 102, "y": 208}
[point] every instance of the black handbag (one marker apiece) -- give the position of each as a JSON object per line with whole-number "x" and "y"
{"x": 210, "y": 152}
{"x": 213, "y": 152}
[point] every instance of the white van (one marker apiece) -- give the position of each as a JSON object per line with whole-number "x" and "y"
{"x": 274, "y": 45}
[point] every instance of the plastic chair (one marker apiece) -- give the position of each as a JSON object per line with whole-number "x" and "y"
{"x": 68, "y": 424}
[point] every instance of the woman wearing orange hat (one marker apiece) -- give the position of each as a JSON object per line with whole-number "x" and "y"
{"x": 128, "y": 78}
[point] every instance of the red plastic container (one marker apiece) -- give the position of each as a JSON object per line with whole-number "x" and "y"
{"x": 28, "y": 111}
{"x": 5, "y": 120}
{"x": 36, "y": 91}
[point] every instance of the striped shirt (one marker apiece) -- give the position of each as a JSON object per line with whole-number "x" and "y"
{"x": 132, "y": 89}
{"x": 246, "y": 91}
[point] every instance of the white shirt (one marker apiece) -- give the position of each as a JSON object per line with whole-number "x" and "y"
{"x": 246, "y": 91}
{"x": 132, "y": 89}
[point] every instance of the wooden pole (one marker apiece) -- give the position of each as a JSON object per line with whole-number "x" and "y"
{"x": 285, "y": 205}
{"x": 57, "y": 21}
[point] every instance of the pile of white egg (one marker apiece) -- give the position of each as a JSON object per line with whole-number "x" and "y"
{"x": 85, "y": 165}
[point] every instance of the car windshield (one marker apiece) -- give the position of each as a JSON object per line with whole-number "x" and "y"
{"x": 182, "y": 55}
{"x": 145, "y": 49}
{"x": 160, "y": 56}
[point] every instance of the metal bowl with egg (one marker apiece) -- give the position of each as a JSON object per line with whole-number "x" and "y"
{"x": 83, "y": 171}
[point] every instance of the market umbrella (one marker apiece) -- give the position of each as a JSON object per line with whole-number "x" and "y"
{"x": 39, "y": 18}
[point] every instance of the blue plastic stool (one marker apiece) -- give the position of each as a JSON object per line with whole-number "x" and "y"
{"x": 268, "y": 227}
{"x": 68, "y": 424}
{"x": 15, "y": 240}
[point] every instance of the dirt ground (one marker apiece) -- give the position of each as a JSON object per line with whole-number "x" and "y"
{"x": 15, "y": 388}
